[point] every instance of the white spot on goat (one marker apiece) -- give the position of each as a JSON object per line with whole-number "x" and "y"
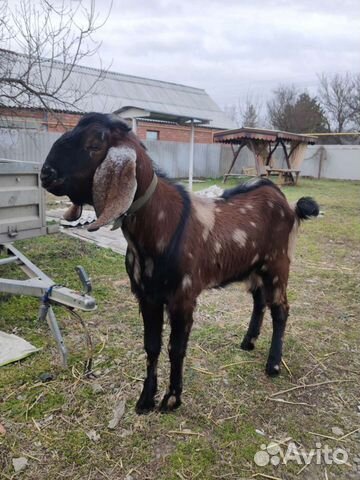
{"x": 243, "y": 210}
{"x": 240, "y": 237}
{"x": 271, "y": 205}
{"x": 275, "y": 279}
{"x": 249, "y": 206}
{"x": 160, "y": 245}
{"x": 255, "y": 259}
{"x": 253, "y": 243}
{"x": 149, "y": 267}
{"x": 253, "y": 282}
{"x": 253, "y": 224}
{"x": 217, "y": 247}
{"x": 205, "y": 213}
{"x": 282, "y": 213}
{"x": 292, "y": 240}
{"x": 171, "y": 401}
{"x": 186, "y": 282}
{"x": 161, "y": 215}
{"x": 218, "y": 210}
{"x": 278, "y": 296}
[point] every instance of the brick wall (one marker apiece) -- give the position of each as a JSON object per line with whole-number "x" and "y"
{"x": 60, "y": 122}
{"x": 175, "y": 133}
{"x": 38, "y": 120}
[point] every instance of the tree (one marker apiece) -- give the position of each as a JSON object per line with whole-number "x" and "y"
{"x": 354, "y": 102}
{"x": 50, "y": 38}
{"x": 278, "y": 107}
{"x": 297, "y": 112}
{"x": 249, "y": 114}
{"x": 335, "y": 94}
{"x": 245, "y": 113}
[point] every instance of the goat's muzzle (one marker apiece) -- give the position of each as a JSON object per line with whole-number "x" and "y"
{"x": 49, "y": 177}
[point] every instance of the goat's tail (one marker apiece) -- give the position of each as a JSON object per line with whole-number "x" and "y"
{"x": 306, "y": 207}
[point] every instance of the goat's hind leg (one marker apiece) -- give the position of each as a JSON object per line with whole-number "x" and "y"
{"x": 256, "y": 320}
{"x": 279, "y": 313}
{"x": 153, "y": 316}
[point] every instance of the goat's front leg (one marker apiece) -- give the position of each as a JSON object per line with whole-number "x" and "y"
{"x": 181, "y": 323}
{"x": 256, "y": 320}
{"x": 153, "y": 316}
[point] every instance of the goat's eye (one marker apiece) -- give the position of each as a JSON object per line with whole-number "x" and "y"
{"x": 94, "y": 148}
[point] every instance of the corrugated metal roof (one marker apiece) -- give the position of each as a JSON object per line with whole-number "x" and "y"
{"x": 112, "y": 91}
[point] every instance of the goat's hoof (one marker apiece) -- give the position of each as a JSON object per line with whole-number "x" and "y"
{"x": 272, "y": 369}
{"x": 144, "y": 406}
{"x": 169, "y": 403}
{"x": 247, "y": 344}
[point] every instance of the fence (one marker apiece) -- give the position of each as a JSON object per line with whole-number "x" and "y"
{"x": 210, "y": 160}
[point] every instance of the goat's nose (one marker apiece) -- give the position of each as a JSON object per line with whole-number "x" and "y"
{"x": 47, "y": 175}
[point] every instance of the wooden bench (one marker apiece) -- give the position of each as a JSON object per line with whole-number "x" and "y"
{"x": 288, "y": 175}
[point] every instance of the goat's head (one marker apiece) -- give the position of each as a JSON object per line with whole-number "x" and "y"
{"x": 95, "y": 163}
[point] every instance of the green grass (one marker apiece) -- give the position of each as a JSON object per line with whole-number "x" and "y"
{"x": 228, "y": 410}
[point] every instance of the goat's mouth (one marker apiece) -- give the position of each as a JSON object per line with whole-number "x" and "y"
{"x": 53, "y": 186}
{"x": 50, "y": 180}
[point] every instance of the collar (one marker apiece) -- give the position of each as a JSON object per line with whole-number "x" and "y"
{"x": 137, "y": 204}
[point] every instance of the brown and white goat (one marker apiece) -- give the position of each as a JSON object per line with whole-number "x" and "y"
{"x": 179, "y": 244}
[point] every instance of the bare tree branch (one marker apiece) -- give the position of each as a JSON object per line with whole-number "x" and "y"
{"x": 51, "y": 38}
{"x": 335, "y": 95}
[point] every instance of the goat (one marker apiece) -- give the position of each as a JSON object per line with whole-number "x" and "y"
{"x": 178, "y": 243}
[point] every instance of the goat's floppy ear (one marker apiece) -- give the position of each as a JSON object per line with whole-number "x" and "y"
{"x": 114, "y": 185}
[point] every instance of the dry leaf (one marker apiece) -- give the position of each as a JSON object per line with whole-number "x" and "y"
{"x": 19, "y": 463}
{"x": 2, "y": 429}
{"x": 93, "y": 435}
{"x": 118, "y": 412}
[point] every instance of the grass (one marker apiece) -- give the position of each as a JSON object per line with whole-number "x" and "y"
{"x": 229, "y": 408}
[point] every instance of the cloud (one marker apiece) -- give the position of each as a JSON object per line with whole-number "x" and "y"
{"x": 229, "y": 48}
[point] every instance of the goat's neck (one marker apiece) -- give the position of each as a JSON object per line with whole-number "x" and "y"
{"x": 153, "y": 226}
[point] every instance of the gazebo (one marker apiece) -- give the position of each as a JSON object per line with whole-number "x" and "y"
{"x": 263, "y": 143}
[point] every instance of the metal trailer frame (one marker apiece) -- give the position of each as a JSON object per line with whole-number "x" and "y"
{"x": 41, "y": 286}
{"x": 22, "y": 215}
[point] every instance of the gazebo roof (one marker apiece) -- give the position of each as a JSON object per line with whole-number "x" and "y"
{"x": 238, "y": 135}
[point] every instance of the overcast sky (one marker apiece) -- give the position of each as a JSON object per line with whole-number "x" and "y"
{"x": 231, "y": 48}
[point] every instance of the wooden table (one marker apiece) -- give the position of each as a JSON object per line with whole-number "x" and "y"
{"x": 289, "y": 175}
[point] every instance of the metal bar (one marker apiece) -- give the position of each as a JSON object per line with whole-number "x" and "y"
{"x": 134, "y": 125}
{"x": 28, "y": 264}
{"x": 70, "y": 298}
{"x": 5, "y": 261}
{"x": 55, "y": 330}
{"x": 33, "y": 287}
{"x": 36, "y": 287}
{"x": 191, "y": 160}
